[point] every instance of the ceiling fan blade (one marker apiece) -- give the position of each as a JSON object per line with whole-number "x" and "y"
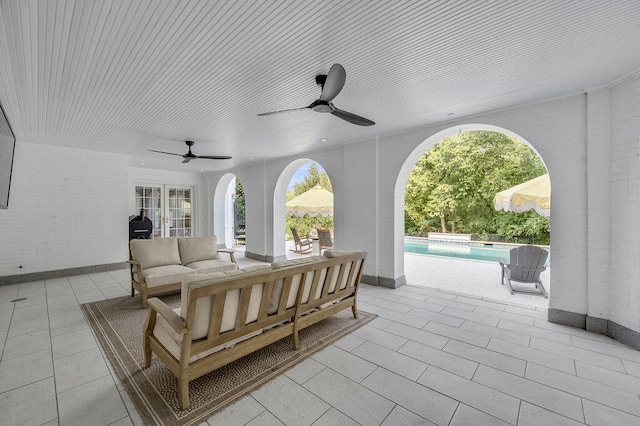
{"x": 186, "y": 160}
{"x": 352, "y": 118}
{"x": 164, "y": 152}
{"x": 215, "y": 157}
{"x": 282, "y": 111}
{"x": 334, "y": 82}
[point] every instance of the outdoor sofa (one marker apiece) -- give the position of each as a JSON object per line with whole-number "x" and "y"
{"x": 159, "y": 265}
{"x": 226, "y": 315}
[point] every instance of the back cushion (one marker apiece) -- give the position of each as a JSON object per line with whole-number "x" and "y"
{"x": 198, "y": 248}
{"x": 330, "y": 254}
{"x": 155, "y": 252}
{"x": 347, "y": 269}
{"x": 203, "y": 306}
{"x": 279, "y": 284}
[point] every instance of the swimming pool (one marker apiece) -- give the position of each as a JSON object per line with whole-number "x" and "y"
{"x": 473, "y": 250}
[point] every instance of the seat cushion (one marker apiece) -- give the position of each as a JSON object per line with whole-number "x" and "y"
{"x": 156, "y": 252}
{"x": 212, "y": 265}
{"x": 169, "y": 274}
{"x": 172, "y": 340}
{"x": 198, "y": 248}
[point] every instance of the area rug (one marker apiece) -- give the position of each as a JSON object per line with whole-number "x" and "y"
{"x": 118, "y": 324}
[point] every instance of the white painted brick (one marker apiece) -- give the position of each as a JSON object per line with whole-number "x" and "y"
{"x": 67, "y": 209}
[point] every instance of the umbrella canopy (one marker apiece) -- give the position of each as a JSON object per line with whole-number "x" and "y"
{"x": 533, "y": 194}
{"x": 314, "y": 202}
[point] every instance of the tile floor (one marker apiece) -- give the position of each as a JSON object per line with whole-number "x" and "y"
{"x": 432, "y": 357}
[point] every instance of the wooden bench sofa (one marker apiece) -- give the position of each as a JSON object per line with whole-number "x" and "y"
{"x": 225, "y": 316}
{"x": 160, "y": 264}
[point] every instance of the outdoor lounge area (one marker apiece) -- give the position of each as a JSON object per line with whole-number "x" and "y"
{"x": 193, "y": 119}
{"x": 432, "y": 355}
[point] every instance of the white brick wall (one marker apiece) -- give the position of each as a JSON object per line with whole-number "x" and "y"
{"x": 599, "y": 201}
{"x": 624, "y": 279}
{"x": 67, "y": 209}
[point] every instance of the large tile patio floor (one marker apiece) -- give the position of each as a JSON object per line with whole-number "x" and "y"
{"x": 446, "y": 355}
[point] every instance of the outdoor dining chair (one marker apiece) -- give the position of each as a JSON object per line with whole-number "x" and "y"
{"x": 526, "y": 265}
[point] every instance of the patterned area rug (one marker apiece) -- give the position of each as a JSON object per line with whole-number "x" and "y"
{"x": 118, "y": 325}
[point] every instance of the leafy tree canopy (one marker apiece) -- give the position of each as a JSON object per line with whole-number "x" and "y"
{"x": 451, "y": 187}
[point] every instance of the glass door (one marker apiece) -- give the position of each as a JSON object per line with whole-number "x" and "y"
{"x": 179, "y": 212}
{"x": 149, "y": 201}
{"x": 168, "y": 207}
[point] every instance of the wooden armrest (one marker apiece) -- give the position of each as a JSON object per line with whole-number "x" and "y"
{"x": 502, "y": 262}
{"x": 134, "y": 262}
{"x": 230, "y": 252}
{"x": 175, "y": 321}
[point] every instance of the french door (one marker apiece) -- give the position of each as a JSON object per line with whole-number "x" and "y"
{"x": 169, "y": 208}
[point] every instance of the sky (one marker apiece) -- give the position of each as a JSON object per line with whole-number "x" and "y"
{"x": 300, "y": 174}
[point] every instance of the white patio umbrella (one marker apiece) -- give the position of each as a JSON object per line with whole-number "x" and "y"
{"x": 314, "y": 202}
{"x": 533, "y": 194}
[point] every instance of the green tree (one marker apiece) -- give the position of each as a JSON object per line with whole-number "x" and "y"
{"x": 452, "y": 186}
{"x": 313, "y": 177}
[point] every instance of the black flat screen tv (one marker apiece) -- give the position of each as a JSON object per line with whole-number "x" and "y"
{"x": 7, "y": 149}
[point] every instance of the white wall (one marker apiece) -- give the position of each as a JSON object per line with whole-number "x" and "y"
{"x": 67, "y": 209}
{"x": 624, "y": 206}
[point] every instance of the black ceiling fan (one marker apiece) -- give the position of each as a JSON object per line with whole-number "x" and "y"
{"x": 191, "y": 156}
{"x": 331, "y": 84}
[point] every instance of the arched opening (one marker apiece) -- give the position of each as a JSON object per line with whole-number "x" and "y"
{"x": 457, "y": 218}
{"x": 228, "y": 212}
{"x": 301, "y": 177}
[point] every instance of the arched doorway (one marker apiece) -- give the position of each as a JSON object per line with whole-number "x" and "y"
{"x": 480, "y": 279}
{"x": 228, "y": 224}
{"x": 300, "y": 175}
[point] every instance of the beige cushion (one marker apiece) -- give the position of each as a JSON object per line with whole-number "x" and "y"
{"x": 172, "y": 340}
{"x": 295, "y": 262}
{"x": 230, "y": 310}
{"x": 338, "y": 253}
{"x": 213, "y": 265}
{"x": 295, "y": 284}
{"x": 198, "y": 248}
{"x": 156, "y": 252}
{"x": 169, "y": 274}
{"x": 330, "y": 254}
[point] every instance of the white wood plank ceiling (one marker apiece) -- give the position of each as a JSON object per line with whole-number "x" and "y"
{"x": 125, "y": 76}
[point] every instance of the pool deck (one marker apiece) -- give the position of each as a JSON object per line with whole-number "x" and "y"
{"x": 474, "y": 278}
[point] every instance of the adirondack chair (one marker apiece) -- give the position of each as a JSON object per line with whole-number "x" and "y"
{"x": 526, "y": 264}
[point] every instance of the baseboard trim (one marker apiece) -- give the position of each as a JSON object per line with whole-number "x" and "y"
{"x": 260, "y": 257}
{"x": 384, "y": 281}
{"x": 60, "y": 273}
{"x": 597, "y": 325}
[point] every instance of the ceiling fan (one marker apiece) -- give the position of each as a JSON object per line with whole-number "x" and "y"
{"x": 191, "y": 156}
{"x": 331, "y": 84}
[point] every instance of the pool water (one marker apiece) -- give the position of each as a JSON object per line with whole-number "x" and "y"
{"x": 476, "y": 251}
